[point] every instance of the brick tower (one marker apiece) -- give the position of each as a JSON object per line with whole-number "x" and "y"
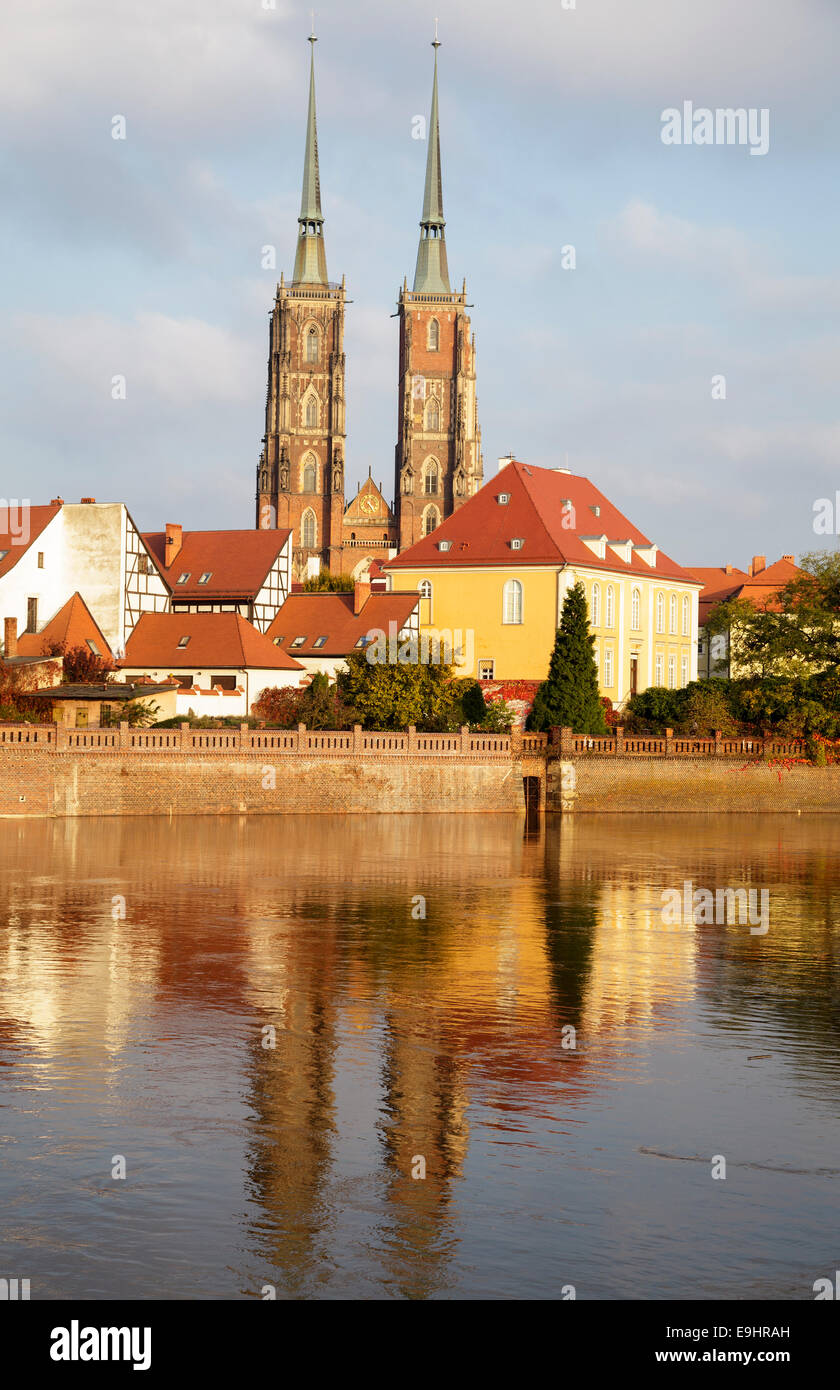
{"x": 300, "y": 475}
{"x": 438, "y": 462}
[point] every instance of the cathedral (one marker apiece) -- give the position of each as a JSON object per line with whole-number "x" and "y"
{"x": 302, "y": 467}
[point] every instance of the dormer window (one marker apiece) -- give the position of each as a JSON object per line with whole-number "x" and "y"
{"x": 205, "y": 576}
{"x": 363, "y": 641}
{"x": 503, "y": 498}
{"x": 298, "y": 641}
{"x": 183, "y": 643}
{"x": 517, "y": 543}
{"x": 595, "y": 509}
{"x": 278, "y": 640}
{"x": 93, "y": 647}
{"x": 444, "y": 545}
{"x": 182, "y": 578}
{"x": 319, "y": 642}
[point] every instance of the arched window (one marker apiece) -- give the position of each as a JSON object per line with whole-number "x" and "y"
{"x": 596, "y": 605}
{"x": 308, "y": 530}
{"x": 309, "y": 475}
{"x": 312, "y": 344}
{"x": 673, "y": 613}
{"x": 424, "y": 589}
{"x": 434, "y": 335}
{"x": 430, "y": 476}
{"x": 431, "y": 520}
{"x": 264, "y": 480}
{"x": 512, "y": 602}
{"x": 660, "y": 612}
{"x": 311, "y": 416}
{"x": 686, "y": 616}
{"x": 635, "y": 608}
{"x": 433, "y": 415}
{"x": 610, "y": 616}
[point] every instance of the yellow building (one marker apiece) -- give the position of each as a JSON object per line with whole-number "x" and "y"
{"x": 498, "y": 569}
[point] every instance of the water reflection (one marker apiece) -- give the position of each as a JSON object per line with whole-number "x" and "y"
{"x": 281, "y": 1048}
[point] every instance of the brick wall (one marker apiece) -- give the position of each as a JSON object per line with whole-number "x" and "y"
{"x": 636, "y": 784}
{"x": 39, "y": 781}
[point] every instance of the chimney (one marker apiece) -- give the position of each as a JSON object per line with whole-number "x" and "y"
{"x": 87, "y": 499}
{"x": 789, "y": 558}
{"x": 759, "y": 563}
{"x": 174, "y": 537}
{"x": 57, "y": 502}
{"x": 728, "y": 569}
{"x": 503, "y": 463}
{"x": 361, "y": 594}
{"x": 10, "y": 645}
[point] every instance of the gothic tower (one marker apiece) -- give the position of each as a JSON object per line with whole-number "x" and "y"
{"x": 300, "y": 475}
{"x": 438, "y": 462}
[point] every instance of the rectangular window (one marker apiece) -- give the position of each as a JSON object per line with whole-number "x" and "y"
{"x": 183, "y": 642}
{"x": 278, "y": 640}
{"x": 485, "y": 670}
{"x": 93, "y": 647}
{"x": 659, "y": 668}
{"x": 182, "y": 578}
{"x": 203, "y": 578}
{"x": 40, "y": 559}
{"x": 684, "y": 671}
{"x": 225, "y": 682}
{"x": 319, "y": 641}
{"x": 299, "y": 641}
{"x": 608, "y": 669}
{"x": 185, "y": 682}
{"x": 672, "y": 672}
{"x": 31, "y": 615}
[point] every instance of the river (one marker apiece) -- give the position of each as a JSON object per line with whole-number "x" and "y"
{"x": 425, "y": 1057}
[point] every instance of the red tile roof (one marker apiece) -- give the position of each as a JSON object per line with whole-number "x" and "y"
{"x": 758, "y": 588}
{"x": 331, "y": 616}
{"x": 481, "y": 530}
{"x": 73, "y": 625}
{"x": 38, "y": 518}
{"x": 237, "y": 562}
{"x": 220, "y": 640}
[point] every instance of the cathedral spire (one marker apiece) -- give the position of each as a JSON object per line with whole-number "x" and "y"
{"x": 310, "y": 258}
{"x": 431, "y": 275}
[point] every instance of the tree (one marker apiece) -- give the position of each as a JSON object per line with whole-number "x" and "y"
{"x": 386, "y": 696}
{"x": 319, "y": 706}
{"x": 81, "y": 665}
{"x": 471, "y": 697}
{"x": 325, "y": 582}
{"x": 569, "y": 697}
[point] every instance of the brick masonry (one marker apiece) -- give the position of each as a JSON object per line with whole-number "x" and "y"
{"x": 639, "y": 785}
{"x": 41, "y": 782}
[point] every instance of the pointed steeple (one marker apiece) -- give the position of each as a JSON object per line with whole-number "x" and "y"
{"x": 310, "y": 258}
{"x": 431, "y": 275}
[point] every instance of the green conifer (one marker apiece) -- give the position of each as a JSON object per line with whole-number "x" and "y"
{"x": 569, "y": 696}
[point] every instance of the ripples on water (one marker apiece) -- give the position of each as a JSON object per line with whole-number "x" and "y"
{"x": 444, "y": 1039}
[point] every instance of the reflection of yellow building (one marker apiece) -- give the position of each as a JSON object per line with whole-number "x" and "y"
{"x": 501, "y": 565}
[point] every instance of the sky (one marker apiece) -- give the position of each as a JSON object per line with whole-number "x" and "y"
{"x": 142, "y": 257}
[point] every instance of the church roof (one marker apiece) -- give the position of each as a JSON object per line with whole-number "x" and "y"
{"x": 431, "y": 275}
{"x": 72, "y": 626}
{"x": 553, "y": 514}
{"x": 216, "y": 640}
{"x": 236, "y": 562}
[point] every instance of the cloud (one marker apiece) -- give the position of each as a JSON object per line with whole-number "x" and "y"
{"x": 175, "y": 362}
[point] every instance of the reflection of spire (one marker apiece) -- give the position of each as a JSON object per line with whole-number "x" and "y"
{"x": 311, "y": 259}
{"x": 425, "y": 1103}
{"x": 432, "y": 272}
